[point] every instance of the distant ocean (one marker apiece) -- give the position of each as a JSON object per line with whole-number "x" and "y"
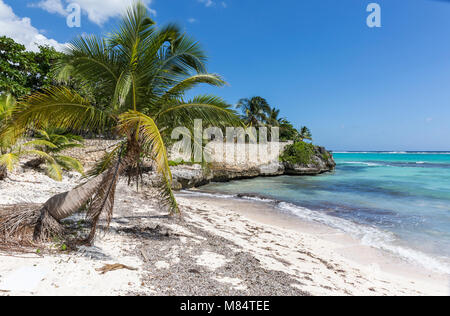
{"x": 395, "y": 201}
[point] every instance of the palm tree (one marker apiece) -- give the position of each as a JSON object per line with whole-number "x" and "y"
{"x": 50, "y": 143}
{"x": 145, "y": 71}
{"x": 47, "y": 153}
{"x": 287, "y": 131}
{"x": 255, "y": 111}
{"x": 273, "y": 118}
{"x": 7, "y": 105}
{"x": 305, "y": 133}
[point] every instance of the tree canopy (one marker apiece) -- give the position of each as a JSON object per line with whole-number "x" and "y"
{"x": 23, "y": 72}
{"x": 257, "y": 112}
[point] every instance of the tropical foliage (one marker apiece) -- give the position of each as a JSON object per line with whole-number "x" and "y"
{"x": 257, "y": 112}
{"x": 47, "y": 150}
{"x": 24, "y": 72}
{"x": 142, "y": 73}
{"x": 305, "y": 133}
{"x": 298, "y": 153}
{"x": 52, "y": 142}
{"x": 7, "y": 105}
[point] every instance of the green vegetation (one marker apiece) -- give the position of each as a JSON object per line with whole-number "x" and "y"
{"x": 47, "y": 146}
{"x": 298, "y": 153}
{"x": 287, "y": 131}
{"x": 175, "y": 163}
{"x": 51, "y": 143}
{"x": 24, "y": 72}
{"x": 7, "y": 105}
{"x": 140, "y": 72}
{"x": 257, "y": 112}
{"x": 304, "y": 133}
{"x": 131, "y": 85}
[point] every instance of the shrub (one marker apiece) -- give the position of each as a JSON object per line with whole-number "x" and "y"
{"x": 175, "y": 163}
{"x": 298, "y": 153}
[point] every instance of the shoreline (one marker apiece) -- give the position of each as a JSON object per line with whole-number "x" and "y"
{"x": 349, "y": 247}
{"x": 219, "y": 247}
{"x": 330, "y": 251}
{"x": 313, "y": 221}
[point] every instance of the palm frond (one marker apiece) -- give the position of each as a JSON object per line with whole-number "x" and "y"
{"x": 88, "y": 57}
{"x": 135, "y": 24}
{"x": 40, "y": 154}
{"x": 9, "y": 161}
{"x": 70, "y": 163}
{"x": 40, "y": 143}
{"x": 7, "y": 104}
{"x": 53, "y": 170}
{"x": 56, "y": 107}
{"x": 181, "y": 87}
{"x": 153, "y": 145}
{"x": 212, "y": 110}
{"x": 105, "y": 162}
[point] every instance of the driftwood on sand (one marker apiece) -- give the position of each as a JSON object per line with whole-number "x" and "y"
{"x": 113, "y": 267}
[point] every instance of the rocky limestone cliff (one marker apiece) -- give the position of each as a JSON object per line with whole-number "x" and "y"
{"x": 322, "y": 161}
{"x": 190, "y": 176}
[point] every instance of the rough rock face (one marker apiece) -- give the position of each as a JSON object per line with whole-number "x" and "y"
{"x": 186, "y": 176}
{"x": 322, "y": 162}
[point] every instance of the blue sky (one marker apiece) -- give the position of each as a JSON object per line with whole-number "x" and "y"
{"x": 357, "y": 88}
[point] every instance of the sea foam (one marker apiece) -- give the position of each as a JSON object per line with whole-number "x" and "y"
{"x": 369, "y": 236}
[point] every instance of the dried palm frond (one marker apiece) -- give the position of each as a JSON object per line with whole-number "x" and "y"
{"x": 17, "y": 222}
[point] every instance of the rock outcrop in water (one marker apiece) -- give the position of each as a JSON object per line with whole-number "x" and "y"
{"x": 322, "y": 161}
{"x": 190, "y": 176}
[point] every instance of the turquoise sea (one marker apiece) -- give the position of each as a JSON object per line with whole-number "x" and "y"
{"x": 396, "y": 201}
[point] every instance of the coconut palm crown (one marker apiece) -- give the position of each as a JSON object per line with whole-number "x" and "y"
{"x": 143, "y": 72}
{"x": 305, "y": 133}
{"x": 254, "y": 110}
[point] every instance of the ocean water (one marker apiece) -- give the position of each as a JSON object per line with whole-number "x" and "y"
{"x": 398, "y": 202}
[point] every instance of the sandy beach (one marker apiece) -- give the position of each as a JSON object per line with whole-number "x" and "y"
{"x": 218, "y": 247}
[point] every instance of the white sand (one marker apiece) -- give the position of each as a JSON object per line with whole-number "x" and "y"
{"x": 317, "y": 256}
{"x": 316, "y": 261}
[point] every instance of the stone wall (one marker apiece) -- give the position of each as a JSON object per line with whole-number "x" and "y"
{"x": 236, "y": 155}
{"x": 92, "y": 151}
{"x": 228, "y": 162}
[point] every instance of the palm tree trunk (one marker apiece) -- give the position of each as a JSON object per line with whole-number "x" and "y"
{"x": 3, "y": 172}
{"x": 101, "y": 190}
{"x": 46, "y": 218}
{"x": 66, "y": 204}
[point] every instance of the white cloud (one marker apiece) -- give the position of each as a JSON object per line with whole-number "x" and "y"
{"x": 211, "y": 3}
{"x": 22, "y": 31}
{"x": 52, "y": 6}
{"x": 207, "y": 3}
{"x": 192, "y": 20}
{"x": 97, "y": 11}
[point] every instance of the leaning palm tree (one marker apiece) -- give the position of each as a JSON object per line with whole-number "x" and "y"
{"x": 255, "y": 111}
{"x": 305, "y": 133}
{"x": 144, "y": 71}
